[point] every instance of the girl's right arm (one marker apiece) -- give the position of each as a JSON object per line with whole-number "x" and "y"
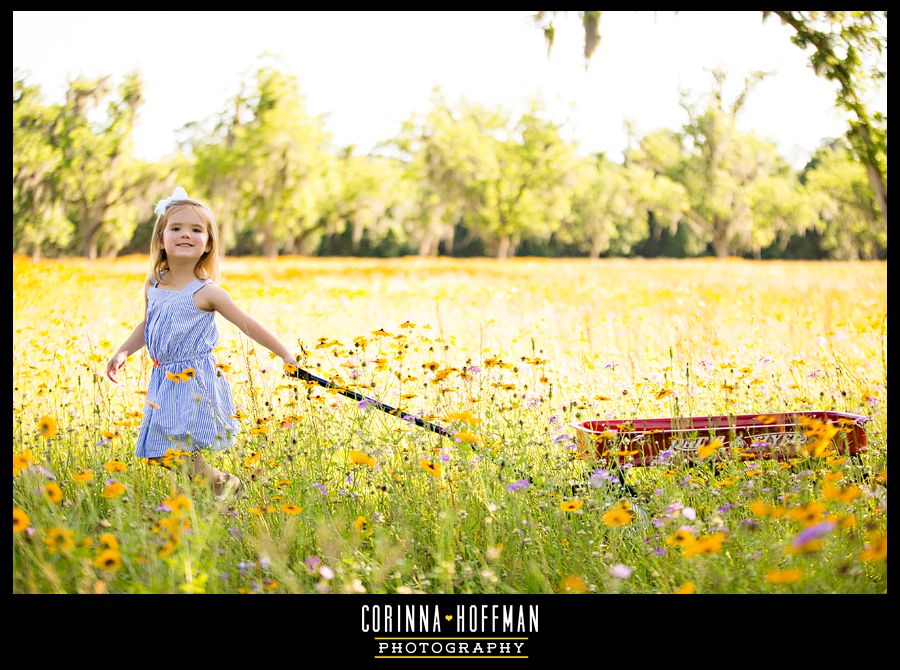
{"x": 134, "y": 342}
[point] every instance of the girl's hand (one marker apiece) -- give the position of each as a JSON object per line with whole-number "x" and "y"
{"x": 117, "y": 361}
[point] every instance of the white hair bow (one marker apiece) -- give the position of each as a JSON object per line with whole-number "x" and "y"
{"x": 178, "y": 194}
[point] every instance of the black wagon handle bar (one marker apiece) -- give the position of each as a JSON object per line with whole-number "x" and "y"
{"x": 305, "y": 375}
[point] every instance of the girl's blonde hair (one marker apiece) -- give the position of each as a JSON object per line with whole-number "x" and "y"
{"x": 208, "y": 265}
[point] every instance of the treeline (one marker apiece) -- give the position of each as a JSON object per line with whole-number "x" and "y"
{"x": 461, "y": 180}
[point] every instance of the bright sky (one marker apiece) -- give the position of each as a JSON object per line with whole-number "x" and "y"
{"x": 369, "y": 71}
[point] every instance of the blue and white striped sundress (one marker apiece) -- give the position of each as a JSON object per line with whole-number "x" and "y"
{"x": 193, "y": 414}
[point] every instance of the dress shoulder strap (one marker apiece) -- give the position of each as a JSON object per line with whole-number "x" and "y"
{"x": 197, "y": 284}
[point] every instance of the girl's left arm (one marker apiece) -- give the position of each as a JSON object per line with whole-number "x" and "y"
{"x": 219, "y": 300}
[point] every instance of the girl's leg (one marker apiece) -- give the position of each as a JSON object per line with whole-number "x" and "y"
{"x": 220, "y": 482}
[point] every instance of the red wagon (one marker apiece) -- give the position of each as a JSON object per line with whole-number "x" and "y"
{"x": 745, "y": 436}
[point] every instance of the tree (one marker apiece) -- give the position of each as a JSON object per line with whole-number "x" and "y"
{"x": 39, "y": 217}
{"x": 840, "y": 41}
{"x": 527, "y": 191}
{"x": 269, "y": 175}
{"x": 447, "y": 154}
{"x": 97, "y": 175}
{"x": 725, "y": 174}
{"x": 847, "y": 218}
{"x": 612, "y": 204}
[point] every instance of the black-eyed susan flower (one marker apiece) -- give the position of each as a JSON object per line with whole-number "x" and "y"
{"x": 686, "y": 588}
{"x": 84, "y": 476}
{"x": 705, "y": 544}
{"x": 617, "y": 517}
{"x": 570, "y": 505}
{"x": 21, "y": 461}
{"x": 290, "y": 509}
{"x": 361, "y": 524}
{"x": 433, "y": 468}
{"x": 809, "y": 514}
{"x": 680, "y": 538}
{"x": 282, "y": 483}
{"x": 875, "y": 548}
{"x": 709, "y": 448}
{"x": 59, "y": 539}
{"x": 47, "y": 426}
{"x": 188, "y": 373}
{"x": 52, "y": 492}
{"x": 573, "y": 584}
{"x": 786, "y": 576}
{"x": 108, "y": 559}
{"x": 108, "y": 541}
{"x": 465, "y": 436}
{"x": 174, "y": 377}
{"x": 115, "y": 466}
{"x": 113, "y": 490}
{"x": 178, "y": 504}
{"x": 359, "y": 458}
{"x": 20, "y": 520}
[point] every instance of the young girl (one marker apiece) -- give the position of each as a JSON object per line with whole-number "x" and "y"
{"x": 189, "y": 403}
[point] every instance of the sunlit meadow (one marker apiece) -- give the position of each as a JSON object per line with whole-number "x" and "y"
{"x": 344, "y": 498}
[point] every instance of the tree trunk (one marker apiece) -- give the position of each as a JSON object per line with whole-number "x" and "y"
{"x": 503, "y": 249}
{"x": 880, "y": 191}
{"x": 720, "y": 240}
{"x": 426, "y": 243}
{"x": 269, "y": 250}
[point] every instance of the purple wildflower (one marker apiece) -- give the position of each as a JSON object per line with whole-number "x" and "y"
{"x": 312, "y": 562}
{"x": 659, "y": 552}
{"x": 326, "y": 572}
{"x": 162, "y": 508}
{"x": 813, "y": 532}
{"x": 599, "y": 476}
{"x": 657, "y": 523}
{"x": 365, "y": 402}
{"x": 725, "y": 507}
{"x": 559, "y": 438}
{"x": 519, "y": 484}
{"x": 553, "y": 419}
{"x": 235, "y": 532}
{"x": 320, "y": 488}
{"x": 474, "y": 368}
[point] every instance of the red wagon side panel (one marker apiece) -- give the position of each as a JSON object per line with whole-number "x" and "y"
{"x": 750, "y": 436}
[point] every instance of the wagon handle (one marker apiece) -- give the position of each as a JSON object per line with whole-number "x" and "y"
{"x": 305, "y": 375}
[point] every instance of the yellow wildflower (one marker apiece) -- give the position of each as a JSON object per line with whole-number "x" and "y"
{"x": 113, "y": 490}
{"x": 570, "y": 505}
{"x": 108, "y": 559}
{"x": 59, "y": 539}
{"x": 47, "y": 426}
{"x": 115, "y": 466}
{"x": 788, "y": 576}
{"x": 430, "y": 467}
{"x": 709, "y": 448}
{"x": 20, "y": 520}
{"x": 359, "y": 458}
{"x": 52, "y": 492}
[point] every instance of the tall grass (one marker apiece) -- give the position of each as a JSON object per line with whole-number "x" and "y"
{"x": 343, "y": 498}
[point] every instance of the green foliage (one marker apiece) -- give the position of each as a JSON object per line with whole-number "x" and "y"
{"x": 847, "y": 214}
{"x": 462, "y": 179}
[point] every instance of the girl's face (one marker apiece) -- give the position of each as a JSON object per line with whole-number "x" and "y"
{"x": 185, "y": 235}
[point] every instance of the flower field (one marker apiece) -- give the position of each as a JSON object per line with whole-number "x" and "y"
{"x": 343, "y": 498}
